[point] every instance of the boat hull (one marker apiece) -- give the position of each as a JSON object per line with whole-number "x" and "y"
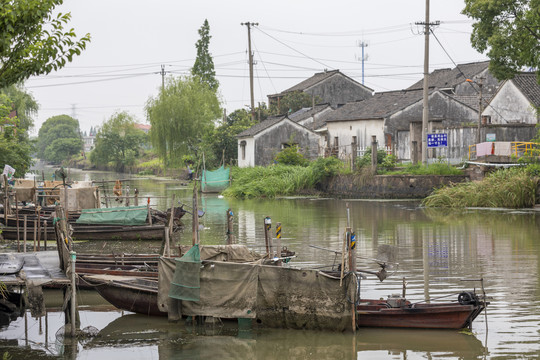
{"x": 373, "y": 313}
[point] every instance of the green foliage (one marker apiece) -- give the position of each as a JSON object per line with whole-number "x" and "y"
{"x": 510, "y": 31}
{"x": 292, "y": 102}
{"x": 279, "y": 180}
{"x": 181, "y": 115}
{"x": 291, "y": 156}
{"x": 15, "y": 148}
{"x": 33, "y": 41}
{"x": 58, "y": 131}
{"x": 118, "y": 142}
{"x": 203, "y": 69}
{"x": 508, "y": 188}
{"x": 365, "y": 160}
{"x": 24, "y": 103}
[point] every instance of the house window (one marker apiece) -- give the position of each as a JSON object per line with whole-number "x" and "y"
{"x": 336, "y": 142}
{"x": 243, "y": 149}
{"x": 354, "y": 139}
{"x": 288, "y": 145}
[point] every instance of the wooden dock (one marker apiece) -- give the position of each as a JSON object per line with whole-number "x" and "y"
{"x": 39, "y": 267}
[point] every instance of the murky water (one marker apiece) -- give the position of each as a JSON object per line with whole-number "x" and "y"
{"x": 435, "y": 249}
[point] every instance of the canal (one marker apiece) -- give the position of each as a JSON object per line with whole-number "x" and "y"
{"x": 433, "y": 250}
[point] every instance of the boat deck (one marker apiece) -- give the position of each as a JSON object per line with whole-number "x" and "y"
{"x": 42, "y": 267}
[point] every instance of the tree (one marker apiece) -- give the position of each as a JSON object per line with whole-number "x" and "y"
{"x": 203, "y": 69}
{"x": 118, "y": 142}
{"x": 23, "y": 103}
{"x": 15, "y": 148}
{"x": 33, "y": 41}
{"x": 180, "y": 117}
{"x": 55, "y": 133}
{"x": 510, "y": 31}
{"x": 292, "y": 102}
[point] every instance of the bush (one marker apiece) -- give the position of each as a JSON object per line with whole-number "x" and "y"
{"x": 291, "y": 156}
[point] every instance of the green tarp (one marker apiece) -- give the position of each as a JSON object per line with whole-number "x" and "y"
{"x": 215, "y": 181}
{"x": 134, "y": 215}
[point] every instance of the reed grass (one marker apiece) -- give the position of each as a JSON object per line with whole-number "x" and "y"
{"x": 431, "y": 169}
{"x": 506, "y": 188}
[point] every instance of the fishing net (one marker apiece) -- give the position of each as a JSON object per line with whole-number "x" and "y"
{"x": 186, "y": 280}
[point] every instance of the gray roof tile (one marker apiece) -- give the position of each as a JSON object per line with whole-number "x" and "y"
{"x": 446, "y": 78}
{"x": 528, "y": 84}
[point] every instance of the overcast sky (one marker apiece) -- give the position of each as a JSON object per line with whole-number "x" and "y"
{"x": 120, "y": 69}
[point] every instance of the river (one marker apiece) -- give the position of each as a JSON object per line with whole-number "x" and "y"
{"x": 434, "y": 250}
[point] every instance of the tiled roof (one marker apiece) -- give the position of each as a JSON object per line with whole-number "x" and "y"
{"x": 445, "y": 78}
{"x": 265, "y": 124}
{"x": 379, "y": 106}
{"x": 315, "y": 79}
{"x": 528, "y": 84}
{"x": 306, "y": 113}
{"x": 472, "y": 100}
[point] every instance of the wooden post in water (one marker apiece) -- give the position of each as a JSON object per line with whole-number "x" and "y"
{"x": 230, "y": 231}
{"x": 6, "y": 206}
{"x": 35, "y": 234}
{"x": 39, "y": 229}
{"x": 268, "y": 237}
{"x": 72, "y": 258}
{"x": 45, "y": 234}
{"x": 195, "y": 222}
{"x": 149, "y": 213}
{"x": 374, "y": 152}
{"x": 17, "y": 216}
{"x": 136, "y": 197}
{"x": 24, "y": 232}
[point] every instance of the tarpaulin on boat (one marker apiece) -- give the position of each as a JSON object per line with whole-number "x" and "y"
{"x": 185, "y": 284}
{"x": 275, "y": 296}
{"x": 215, "y": 181}
{"x": 133, "y": 215}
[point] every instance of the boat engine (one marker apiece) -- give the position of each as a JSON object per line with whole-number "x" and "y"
{"x": 396, "y": 301}
{"x": 468, "y": 298}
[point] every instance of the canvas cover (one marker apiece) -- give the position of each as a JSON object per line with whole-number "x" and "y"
{"x": 215, "y": 181}
{"x": 275, "y": 296}
{"x": 134, "y": 215}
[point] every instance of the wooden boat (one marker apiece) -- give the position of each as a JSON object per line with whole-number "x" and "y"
{"x": 94, "y": 232}
{"x": 396, "y": 312}
{"x": 133, "y": 294}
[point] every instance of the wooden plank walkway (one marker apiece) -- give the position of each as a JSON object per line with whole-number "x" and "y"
{"x": 40, "y": 267}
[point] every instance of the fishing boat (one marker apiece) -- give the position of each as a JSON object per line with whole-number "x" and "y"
{"x": 135, "y": 294}
{"x": 396, "y": 312}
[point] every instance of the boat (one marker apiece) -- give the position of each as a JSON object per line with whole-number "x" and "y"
{"x": 133, "y": 294}
{"x": 396, "y": 312}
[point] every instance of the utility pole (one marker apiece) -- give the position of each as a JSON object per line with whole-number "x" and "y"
{"x": 425, "y": 105}
{"x": 480, "y": 83}
{"x": 363, "y": 45}
{"x": 162, "y": 72}
{"x": 249, "y": 25}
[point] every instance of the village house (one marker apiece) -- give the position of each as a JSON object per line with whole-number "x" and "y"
{"x": 332, "y": 87}
{"x": 258, "y": 145}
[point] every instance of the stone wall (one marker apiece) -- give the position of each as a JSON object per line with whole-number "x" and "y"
{"x": 387, "y": 186}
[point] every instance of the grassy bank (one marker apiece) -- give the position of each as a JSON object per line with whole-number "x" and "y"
{"x": 508, "y": 188}
{"x": 279, "y": 180}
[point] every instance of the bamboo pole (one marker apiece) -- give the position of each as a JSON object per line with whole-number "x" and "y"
{"x": 230, "y": 231}
{"x": 45, "y": 234}
{"x": 268, "y": 237}
{"x": 35, "y": 234}
{"x": 195, "y": 222}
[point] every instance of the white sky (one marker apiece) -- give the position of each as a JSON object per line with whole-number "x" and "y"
{"x": 120, "y": 68}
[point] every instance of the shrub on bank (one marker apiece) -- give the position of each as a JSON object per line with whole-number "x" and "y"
{"x": 277, "y": 180}
{"x": 507, "y": 188}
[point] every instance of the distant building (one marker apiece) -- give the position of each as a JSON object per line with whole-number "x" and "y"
{"x": 143, "y": 127}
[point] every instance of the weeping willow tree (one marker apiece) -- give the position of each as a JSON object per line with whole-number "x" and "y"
{"x": 182, "y": 113}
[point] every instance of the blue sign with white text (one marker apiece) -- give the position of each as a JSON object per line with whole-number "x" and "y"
{"x": 437, "y": 140}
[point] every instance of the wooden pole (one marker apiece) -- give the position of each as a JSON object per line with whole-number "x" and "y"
{"x": 45, "y": 234}
{"x": 268, "y": 237}
{"x": 195, "y": 222}
{"x": 24, "y": 232}
{"x": 35, "y": 234}
{"x": 39, "y": 228}
{"x": 6, "y": 211}
{"x": 149, "y": 213}
{"x": 17, "y": 215}
{"x": 73, "y": 257}
{"x": 168, "y": 238}
{"x": 136, "y": 197}
{"x": 230, "y": 231}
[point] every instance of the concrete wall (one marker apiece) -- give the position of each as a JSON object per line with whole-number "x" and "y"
{"x": 249, "y": 158}
{"x": 387, "y": 186}
{"x": 339, "y": 89}
{"x": 269, "y": 142}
